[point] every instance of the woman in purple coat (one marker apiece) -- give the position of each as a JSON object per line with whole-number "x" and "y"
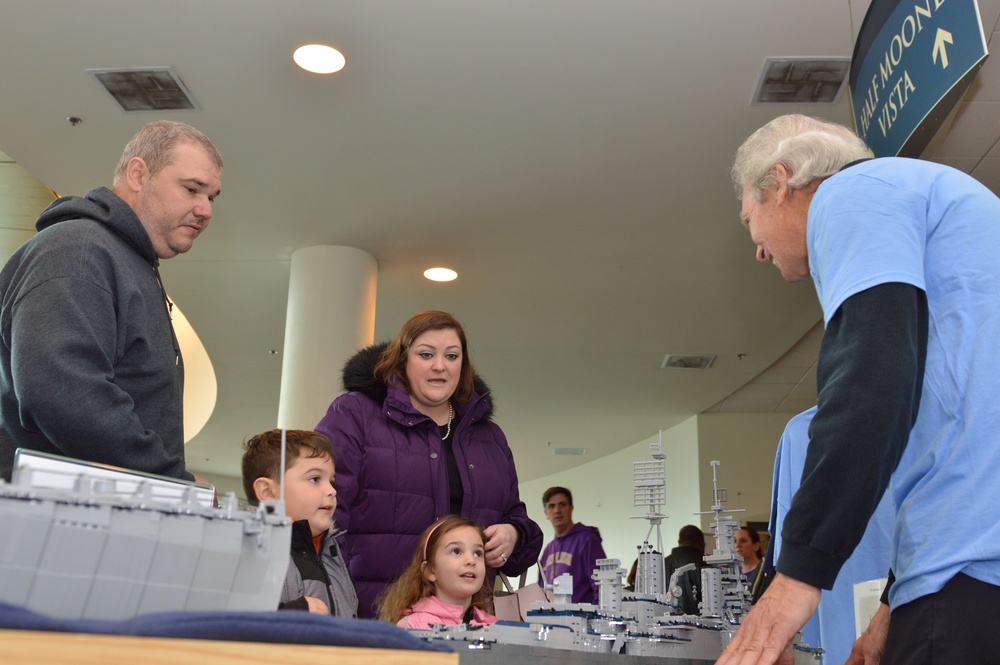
{"x": 414, "y": 442}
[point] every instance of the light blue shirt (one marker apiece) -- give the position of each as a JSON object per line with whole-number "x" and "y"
{"x": 915, "y": 222}
{"x": 832, "y": 627}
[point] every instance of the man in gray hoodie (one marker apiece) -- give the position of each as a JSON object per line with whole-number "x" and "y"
{"x": 90, "y": 367}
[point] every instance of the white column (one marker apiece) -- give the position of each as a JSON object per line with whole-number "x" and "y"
{"x": 331, "y": 314}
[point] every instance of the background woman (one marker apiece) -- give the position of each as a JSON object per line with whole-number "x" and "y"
{"x": 414, "y": 442}
{"x": 748, "y": 546}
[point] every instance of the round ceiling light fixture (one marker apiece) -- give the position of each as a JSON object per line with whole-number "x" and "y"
{"x": 319, "y": 59}
{"x": 440, "y": 274}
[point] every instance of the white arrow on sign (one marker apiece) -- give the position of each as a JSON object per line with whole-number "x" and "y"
{"x": 942, "y": 37}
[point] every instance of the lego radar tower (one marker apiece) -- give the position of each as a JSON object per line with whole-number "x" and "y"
{"x": 649, "y": 480}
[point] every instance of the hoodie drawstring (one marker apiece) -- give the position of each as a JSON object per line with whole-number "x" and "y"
{"x": 169, "y": 306}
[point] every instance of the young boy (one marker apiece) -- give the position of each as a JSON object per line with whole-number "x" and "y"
{"x": 318, "y": 579}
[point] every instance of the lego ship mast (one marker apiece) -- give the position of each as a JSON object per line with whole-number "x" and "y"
{"x": 724, "y": 593}
{"x": 649, "y": 481}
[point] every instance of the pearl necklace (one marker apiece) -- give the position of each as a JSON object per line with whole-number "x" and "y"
{"x": 451, "y": 414}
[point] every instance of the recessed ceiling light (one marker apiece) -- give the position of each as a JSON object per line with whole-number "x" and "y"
{"x": 440, "y": 274}
{"x": 319, "y": 59}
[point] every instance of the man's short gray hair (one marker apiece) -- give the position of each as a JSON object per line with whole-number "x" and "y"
{"x": 810, "y": 148}
{"x": 155, "y": 144}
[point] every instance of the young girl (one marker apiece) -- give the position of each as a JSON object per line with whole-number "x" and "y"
{"x": 444, "y": 583}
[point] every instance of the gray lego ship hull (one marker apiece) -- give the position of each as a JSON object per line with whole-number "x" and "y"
{"x": 92, "y": 554}
{"x": 578, "y": 634}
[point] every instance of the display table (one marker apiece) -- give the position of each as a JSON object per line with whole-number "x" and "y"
{"x": 26, "y": 646}
{"x": 179, "y": 638}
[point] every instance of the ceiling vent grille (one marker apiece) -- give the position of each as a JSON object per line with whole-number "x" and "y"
{"x": 802, "y": 81}
{"x": 677, "y": 361}
{"x": 146, "y": 89}
{"x": 569, "y": 451}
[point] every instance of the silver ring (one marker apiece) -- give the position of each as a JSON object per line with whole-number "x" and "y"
{"x": 504, "y": 558}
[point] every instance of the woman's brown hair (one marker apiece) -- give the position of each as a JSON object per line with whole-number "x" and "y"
{"x": 391, "y": 364}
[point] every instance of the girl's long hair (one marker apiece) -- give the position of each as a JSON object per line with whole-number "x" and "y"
{"x": 411, "y": 585}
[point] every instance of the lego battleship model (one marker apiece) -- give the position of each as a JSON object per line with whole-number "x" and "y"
{"x": 90, "y": 552}
{"x": 658, "y": 620}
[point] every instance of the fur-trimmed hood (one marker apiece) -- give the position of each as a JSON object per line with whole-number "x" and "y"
{"x": 359, "y": 376}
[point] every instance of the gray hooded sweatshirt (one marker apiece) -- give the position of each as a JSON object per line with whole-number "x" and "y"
{"x": 89, "y": 364}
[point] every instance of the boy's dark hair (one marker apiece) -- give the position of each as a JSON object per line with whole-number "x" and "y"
{"x": 262, "y": 455}
{"x": 552, "y": 491}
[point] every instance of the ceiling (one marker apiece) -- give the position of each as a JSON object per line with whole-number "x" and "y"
{"x": 569, "y": 158}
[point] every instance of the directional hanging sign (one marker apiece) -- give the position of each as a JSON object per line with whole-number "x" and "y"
{"x": 912, "y": 63}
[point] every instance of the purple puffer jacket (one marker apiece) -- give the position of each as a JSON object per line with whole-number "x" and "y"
{"x": 392, "y": 476}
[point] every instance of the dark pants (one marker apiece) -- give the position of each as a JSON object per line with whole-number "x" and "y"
{"x": 958, "y": 625}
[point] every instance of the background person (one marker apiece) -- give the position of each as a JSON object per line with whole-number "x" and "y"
{"x": 833, "y": 626}
{"x": 317, "y": 579}
{"x": 630, "y": 578}
{"x": 690, "y": 549}
{"x": 445, "y": 583}
{"x": 414, "y": 441}
{"x": 748, "y": 546}
{"x": 89, "y": 365}
{"x": 575, "y": 549}
{"x": 905, "y": 258}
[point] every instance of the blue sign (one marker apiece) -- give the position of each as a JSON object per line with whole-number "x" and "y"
{"x": 911, "y": 63}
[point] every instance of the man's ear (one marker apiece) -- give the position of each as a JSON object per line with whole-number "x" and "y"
{"x": 136, "y": 174}
{"x": 266, "y": 489}
{"x": 781, "y": 176}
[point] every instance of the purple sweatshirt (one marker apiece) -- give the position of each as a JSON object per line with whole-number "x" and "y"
{"x": 575, "y": 552}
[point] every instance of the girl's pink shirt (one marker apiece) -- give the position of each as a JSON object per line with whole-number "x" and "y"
{"x": 431, "y": 611}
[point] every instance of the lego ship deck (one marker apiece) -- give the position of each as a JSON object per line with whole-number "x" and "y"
{"x": 91, "y": 553}
{"x": 628, "y": 627}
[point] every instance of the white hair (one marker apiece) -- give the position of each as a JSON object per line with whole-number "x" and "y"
{"x": 810, "y": 148}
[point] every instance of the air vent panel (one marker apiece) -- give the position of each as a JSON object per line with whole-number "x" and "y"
{"x": 802, "y": 81}
{"x": 146, "y": 89}
{"x": 680, "y": 361}
{"x": 569, "y": 451}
